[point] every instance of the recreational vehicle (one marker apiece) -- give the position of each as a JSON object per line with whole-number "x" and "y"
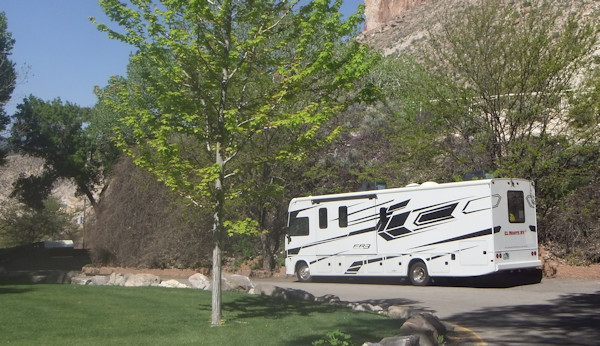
{"x": 461, "y": 229}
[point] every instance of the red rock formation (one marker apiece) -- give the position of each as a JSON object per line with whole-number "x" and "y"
{"x": 378, "y": 12}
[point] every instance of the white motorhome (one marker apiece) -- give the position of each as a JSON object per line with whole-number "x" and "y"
{"x": 462, "y": 229}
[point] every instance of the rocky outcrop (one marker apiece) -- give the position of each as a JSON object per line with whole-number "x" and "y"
{"x": 379, "y": 12}
{"x": 20, "y": 165}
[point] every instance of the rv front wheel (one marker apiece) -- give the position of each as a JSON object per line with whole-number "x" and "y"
{"x": 418, "y": 274}
{"x": 303, "y": 272}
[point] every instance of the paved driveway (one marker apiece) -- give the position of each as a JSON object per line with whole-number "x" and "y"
{"x": 554, "y": 312}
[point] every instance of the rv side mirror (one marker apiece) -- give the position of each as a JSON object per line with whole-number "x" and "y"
{"x": 287, "y": 234}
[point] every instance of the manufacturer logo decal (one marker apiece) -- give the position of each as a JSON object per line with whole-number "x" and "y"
{"x": 362, "y": 246}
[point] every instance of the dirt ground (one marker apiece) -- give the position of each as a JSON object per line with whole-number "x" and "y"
{"x": 553, "y": 268}
{"x": 559, "y": 268}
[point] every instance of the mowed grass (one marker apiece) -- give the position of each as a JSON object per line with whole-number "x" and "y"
{"x": 102, "y": 315}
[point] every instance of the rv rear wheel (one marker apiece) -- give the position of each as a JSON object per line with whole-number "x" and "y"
{"x": 418, "y": 274}
{"x": 303, "y": 272}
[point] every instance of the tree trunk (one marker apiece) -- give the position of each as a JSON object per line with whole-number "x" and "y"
{"x": 88, "y": 193}
{"x": 268, "y": 263}
{"x": 217, "y": 235}
{"x": 216, "y": 287}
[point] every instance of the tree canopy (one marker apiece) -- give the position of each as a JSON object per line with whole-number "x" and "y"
{"x": 504, "y": 76}
{"x": 501, "y": 88}
{"x": 222, "y": 73}
{"x": 8, "y": 74}
{"x": 54, "y": 131}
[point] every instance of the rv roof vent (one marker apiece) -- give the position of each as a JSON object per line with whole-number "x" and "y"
{"x": 413, "y": 185}
{"x": 429, "y": 183}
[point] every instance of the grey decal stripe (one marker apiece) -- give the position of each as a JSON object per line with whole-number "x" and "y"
{"x": 356, "y": 265}
{"x": 366, "y": 230}
{"x": 435, "y": 205}
{"x": 296, "y": 250}
{"x": 484, "y": 232}
{"x": 319, "y": 260}
{"x": 364, "y": 219}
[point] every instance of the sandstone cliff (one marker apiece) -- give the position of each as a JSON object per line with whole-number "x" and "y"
{"x": 16, "y": 165}
{"x": 379, "y": 12}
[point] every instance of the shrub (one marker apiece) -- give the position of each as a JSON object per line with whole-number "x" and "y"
{"x": 141, "y": 223}
{"x": 21, "y": 224}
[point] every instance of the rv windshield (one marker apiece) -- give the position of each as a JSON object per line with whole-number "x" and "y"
{"x": 298, "y": 225}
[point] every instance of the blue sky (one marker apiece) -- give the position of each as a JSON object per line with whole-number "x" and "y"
{"x": 60, "y": 53}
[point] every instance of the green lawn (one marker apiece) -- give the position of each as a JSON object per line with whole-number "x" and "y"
{"x": 102, "y": 315}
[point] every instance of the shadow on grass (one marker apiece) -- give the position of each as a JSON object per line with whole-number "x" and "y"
{"x": 572, "y": 319}
{"x": 14, "y": 290}
{"x": 361, "y": 330}
{"x": 263, "y": 306}
{"x": 361, "y": 326}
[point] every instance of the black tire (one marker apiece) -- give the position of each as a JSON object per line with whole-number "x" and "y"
{"x": 418, "y": 274}
{"x": 303, "y": 272}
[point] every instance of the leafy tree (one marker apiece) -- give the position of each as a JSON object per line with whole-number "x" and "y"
{"x": 226, "y": 72}
{"x": 493, "y": 94}
{"x": 501, "y": 80}
{"x": 21, "y": 224}
{"x": 7, "y": 75}
{"x": 512, "y": 90}
{"x": 55, "y": 132}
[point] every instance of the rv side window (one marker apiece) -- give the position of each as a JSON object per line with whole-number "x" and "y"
{"x": 322, "y": 218}
{"x": 343, "y": 219}
{"x": 298, "y": 225}
{"x": 516, "y": 207}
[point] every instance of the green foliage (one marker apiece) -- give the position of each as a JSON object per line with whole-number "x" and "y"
{"x": 8, "y": 74}
{"x": 21, "y": 224}
{"x": 502, "y": 79}
{"x": 220, "y": 74}
{"x": 54, "y": 131}
{"x": 242, "y": 227}
{"x": 335, "y": 338}
{"x": 513, "y": 90}
{"x": 570, "y": 227}
{"x": 243, "y": 247}
{"x": 249, "y": 74}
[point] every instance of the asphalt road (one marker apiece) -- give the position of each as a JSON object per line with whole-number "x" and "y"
{"x": 553, "y": 312}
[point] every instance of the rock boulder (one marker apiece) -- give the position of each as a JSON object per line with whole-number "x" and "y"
{"x": 139, "y": 280}
{"x": 199, "y": 281}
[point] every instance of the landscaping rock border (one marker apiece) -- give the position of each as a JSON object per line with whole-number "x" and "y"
{"x": 420, "y": 328}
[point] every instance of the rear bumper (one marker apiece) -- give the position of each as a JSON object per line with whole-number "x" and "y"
{"x": 518, "y": 265}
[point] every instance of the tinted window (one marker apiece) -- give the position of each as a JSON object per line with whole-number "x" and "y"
{"x": 343, "y": 211}
{"x": 298, "y": 225}
{"x": 516, "y": 207}
{"x": 323, "y": 218}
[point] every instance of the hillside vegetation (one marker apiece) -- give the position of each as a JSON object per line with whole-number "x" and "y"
{"x": 457, "y": 89}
